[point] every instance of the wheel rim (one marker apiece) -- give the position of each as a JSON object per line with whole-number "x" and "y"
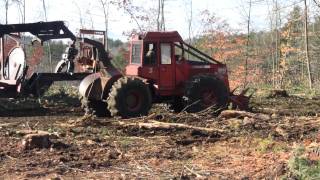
{"x": 208, "y": 98}
{"x": 134, "y": 100}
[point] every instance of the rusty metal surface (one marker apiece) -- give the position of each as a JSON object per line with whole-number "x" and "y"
{"x": 90, "y": 87}
{"x": 96, "y": 86}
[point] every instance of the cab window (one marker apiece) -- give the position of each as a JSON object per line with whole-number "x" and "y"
{"x": 150, "y": 54}
{"x": 178, "y": 53}
{"x": 136, "y": 54}
{"x": 165, "y": 53}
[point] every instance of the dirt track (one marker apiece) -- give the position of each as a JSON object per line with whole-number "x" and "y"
{"x": 257, "y": 147}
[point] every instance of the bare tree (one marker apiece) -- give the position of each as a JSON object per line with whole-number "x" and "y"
{"x": 133, "y": 11}
{"x": 307, "y": 44}
{"x": 7, "y": 8}
{"x": 163, "y": 24}
{"x": 24, "y": 11}
{"x": 7, "y": 4}
{"x": 48, "y": 44}
{"x": 91, "y": 19}
{"x": 160, "y": 17}
{"x": 274, "y": 23}
{"x": 247, "y": 43}
{"x": 80, "y": 14}
{"x": 317, "y": 2}
{"x": 276, "y": 60}
{"x": 189, "y": 13}
{"x": 105, "y": 6}
{"x": 21, "y": 8}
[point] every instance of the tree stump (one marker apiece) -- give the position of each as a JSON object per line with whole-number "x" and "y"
{"x": 32, "y": 141}
{"x": 276, "y": 93}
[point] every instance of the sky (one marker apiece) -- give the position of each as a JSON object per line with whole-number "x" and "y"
{"x": 233, "y": 11}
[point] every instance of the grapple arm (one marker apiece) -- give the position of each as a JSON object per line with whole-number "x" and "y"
{"x": 43, "y": 30}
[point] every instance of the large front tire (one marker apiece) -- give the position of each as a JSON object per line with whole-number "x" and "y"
{"x": 95, "y": 107}
{"x": 204, "y": 91}
{"x": 129, "y": 97}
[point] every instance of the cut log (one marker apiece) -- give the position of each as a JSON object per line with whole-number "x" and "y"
{"x": 39, "y": 140}
{"x": 26, "y": 132}
{"x": 228, "y": 114}
{"x": 156, "y": 125}
{"x": 276, "y": 93}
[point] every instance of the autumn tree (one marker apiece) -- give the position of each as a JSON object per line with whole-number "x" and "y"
{"x": 291, "y": 62}
{"x": 221, "y": 42}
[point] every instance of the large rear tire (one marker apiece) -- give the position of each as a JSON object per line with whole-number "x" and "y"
{"x": 204, "y": 91}
{"x": 129, "y": 97}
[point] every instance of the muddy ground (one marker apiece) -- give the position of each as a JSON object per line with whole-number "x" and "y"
{"x": 254, "y": 146}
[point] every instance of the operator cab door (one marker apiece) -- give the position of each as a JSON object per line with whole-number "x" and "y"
{"x": 166, "y": 72}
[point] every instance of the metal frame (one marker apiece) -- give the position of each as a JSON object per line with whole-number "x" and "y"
{"x": 43, "y": 30}
{"x": 209, "y": 59}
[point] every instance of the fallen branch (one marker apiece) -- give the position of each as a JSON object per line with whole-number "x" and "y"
{"x": 156, "y": 125}
{"x": 228, "y": 114}
{"x": 193, "y": 172}
{"x": 9, "y": 124}
{"x": 267, "y": 110}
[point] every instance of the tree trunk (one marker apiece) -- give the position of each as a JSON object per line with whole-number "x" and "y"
{"x": 276, "y": 63}
{"x": 190, "y": 21}
{"x": 158, "y": 15}
{"x": 248, "y": 43}
{"x": 24, "y": 11}
{"x": 80, "y": 15}
{"x": 105, "y": 5}
{"x": 7, "y": 8}
{"x": 48, "y": 43}
{"x": 163, "y": 26}
{"x": 307, "y": 44}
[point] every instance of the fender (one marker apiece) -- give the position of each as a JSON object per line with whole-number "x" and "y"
{"x": 97, "y": 86}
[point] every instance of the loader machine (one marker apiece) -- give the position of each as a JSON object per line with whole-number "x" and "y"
{"x": 162, "y": 69}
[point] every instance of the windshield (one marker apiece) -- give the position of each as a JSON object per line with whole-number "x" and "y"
{"x": 136, "y": 53}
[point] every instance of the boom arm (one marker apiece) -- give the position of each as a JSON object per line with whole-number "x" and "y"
{"x": 43, "y": 30}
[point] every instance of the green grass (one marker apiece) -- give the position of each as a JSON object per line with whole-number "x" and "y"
{"x": 265, "y": 145}
{"x": 62, "y": 94}
{"x": 300, "y": 167}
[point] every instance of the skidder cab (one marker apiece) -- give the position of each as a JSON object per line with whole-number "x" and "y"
{"x": 162, "y": 68}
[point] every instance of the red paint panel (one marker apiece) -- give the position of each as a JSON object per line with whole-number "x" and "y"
{"x": 132, "y": 69}
{"x": 166, "y": 76}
